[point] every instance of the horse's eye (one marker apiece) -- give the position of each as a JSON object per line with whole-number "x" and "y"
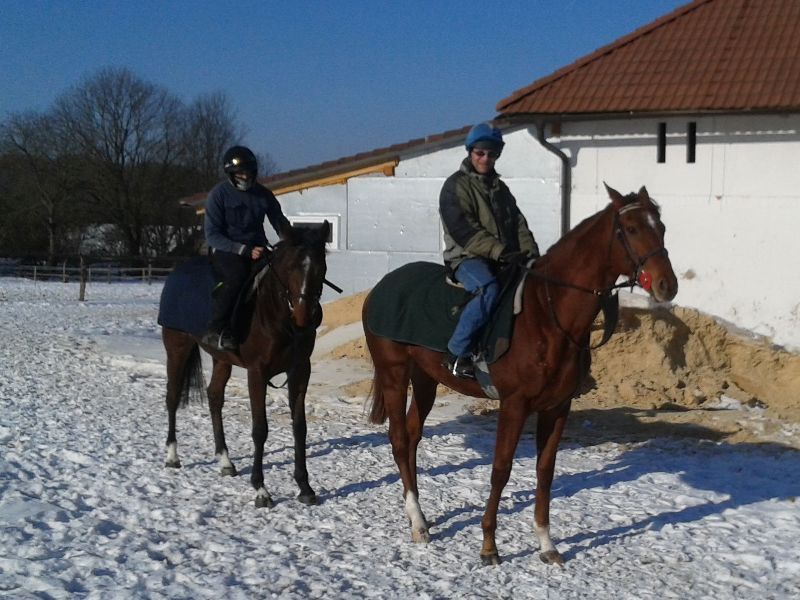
{"x": 631, "y": 229}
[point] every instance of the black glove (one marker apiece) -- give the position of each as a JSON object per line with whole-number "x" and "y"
{"x": 516, "y": 257}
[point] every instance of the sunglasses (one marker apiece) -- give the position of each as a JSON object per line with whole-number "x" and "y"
{"x": 495, "y": 154}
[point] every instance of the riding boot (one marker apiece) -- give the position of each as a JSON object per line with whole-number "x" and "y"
{"x": 460, "y": 366}
{"x": 230, "y": 271}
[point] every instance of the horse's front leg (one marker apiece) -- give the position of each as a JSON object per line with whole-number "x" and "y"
{"x": 257, "y": 387}
{"x": 509, "y": 427}
{"x": 220, "y": 373}
{"x": 298, "y": 385}
{"x": 549, "y": 427}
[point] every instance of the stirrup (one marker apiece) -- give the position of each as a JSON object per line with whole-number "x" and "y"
{"x": 459, "y": 366}
{"x": 221, "y": 340}
{"x": 227, "y": 341}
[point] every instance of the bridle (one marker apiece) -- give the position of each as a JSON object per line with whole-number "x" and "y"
{"x": 609, "y": 302}
{"x": 637, "y": 261}
{"x": 312, "y": 300}
{"x": 297, "y": 334}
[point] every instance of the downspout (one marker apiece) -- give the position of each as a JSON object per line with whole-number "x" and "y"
{"x": 566, "y": 176}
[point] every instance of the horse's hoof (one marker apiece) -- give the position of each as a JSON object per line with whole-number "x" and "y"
{"x": 307, "y": 499}
{"x": 228, "y": 471}
{"x": 552, "y": 557}
{"x": 490, "y": 560}
{"x": 264, "y": 502}
{"x": 421, "y": 536}
{"x": 173, "y": 464}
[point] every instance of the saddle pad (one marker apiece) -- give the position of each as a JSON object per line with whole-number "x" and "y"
{"x": 415, "y": 305}
{"x": 186, "y": 298}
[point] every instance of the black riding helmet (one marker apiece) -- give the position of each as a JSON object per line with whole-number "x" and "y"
{"x": 239, "y": 159}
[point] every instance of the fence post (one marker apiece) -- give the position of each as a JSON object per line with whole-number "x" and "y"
{"x": 149, "y": 272}
{"x": 34, "y": 273}
{"x": 64, "y": 272}
{"x": 82, "y": 293}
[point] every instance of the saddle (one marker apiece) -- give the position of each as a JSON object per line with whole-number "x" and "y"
{"x": 416, "y": 305}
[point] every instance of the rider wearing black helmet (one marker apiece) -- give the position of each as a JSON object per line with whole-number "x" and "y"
{"x": 234, "y": 230}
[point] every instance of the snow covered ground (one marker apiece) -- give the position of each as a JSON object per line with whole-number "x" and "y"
{"x": 87, "y": 509}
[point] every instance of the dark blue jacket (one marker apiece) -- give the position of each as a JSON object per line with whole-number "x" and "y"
{"x": 234, "y": 220}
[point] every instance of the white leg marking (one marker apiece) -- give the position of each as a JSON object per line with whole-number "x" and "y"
{"x": 419, "y": 527}
{"x": 224, "y": 462}
{"x": 172, "y": 455}
{"x": 263, "y": 499}
{"x": 543, "y": 533}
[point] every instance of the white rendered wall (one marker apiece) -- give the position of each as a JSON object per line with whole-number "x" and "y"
{"x": 386, "y": 222}
{"x": 732, "y": 217}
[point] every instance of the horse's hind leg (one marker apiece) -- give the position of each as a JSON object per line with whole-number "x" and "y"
{"x": 298, "y": 385}
{"x": 424, "y": 394}
{"x": 394, "y": 383}
{"x": 220, "y": 374}
{"x": 178, "y": 347}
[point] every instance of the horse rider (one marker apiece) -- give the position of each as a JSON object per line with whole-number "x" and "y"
{"x": 234, "y": 231}
{"x": 483, "y": 228}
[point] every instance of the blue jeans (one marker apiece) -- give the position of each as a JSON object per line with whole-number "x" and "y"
{"x": 474, "y": 274}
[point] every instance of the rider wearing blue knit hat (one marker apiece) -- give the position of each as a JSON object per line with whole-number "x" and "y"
{"x": 483, "y": 227}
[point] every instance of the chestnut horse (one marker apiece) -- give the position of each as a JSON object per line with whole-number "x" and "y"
{"x": 278, "y": 338}
{"x": 548, "y": 356}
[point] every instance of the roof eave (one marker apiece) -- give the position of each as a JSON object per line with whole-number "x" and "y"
{"x": 517, "y": 119}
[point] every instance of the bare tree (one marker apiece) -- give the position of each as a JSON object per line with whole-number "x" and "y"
{"x": 122, "y": 151}
{"x": 129, "y": 131}
{"x": 210, "y": 130}
{"x": 46, "y": 172}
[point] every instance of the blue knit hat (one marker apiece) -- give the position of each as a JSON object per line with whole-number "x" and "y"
{"x": 484, "y": 135}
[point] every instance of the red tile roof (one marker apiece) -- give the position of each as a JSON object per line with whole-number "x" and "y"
{"x": 715, "y": 55}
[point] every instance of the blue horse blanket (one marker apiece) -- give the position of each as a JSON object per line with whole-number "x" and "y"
{"x": 186, "y": 298}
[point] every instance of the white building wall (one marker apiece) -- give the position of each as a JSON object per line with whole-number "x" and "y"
{"x": 386, "y": 222}
{"x": 732, "y": 217}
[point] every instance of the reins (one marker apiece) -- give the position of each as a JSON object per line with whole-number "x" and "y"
{"x": 609, "y": 301}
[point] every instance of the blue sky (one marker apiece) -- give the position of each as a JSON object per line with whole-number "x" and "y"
{"x": 312, "y": 80}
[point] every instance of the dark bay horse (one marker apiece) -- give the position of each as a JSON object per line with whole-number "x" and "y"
{"x": 278, "y": 338}
{"x": 548, "y": 356}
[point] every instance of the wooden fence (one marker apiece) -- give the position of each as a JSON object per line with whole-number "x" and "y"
{"x": 104, "y": 273}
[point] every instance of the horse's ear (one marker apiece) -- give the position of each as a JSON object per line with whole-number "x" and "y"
{"x": 644, "y": 197}
{"x": 615, "y": 196}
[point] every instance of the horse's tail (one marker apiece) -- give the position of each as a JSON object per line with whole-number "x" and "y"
{"x": 375, "y": 404}
{"x": 192, "y": 380}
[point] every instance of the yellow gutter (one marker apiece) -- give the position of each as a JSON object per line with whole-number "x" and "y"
{"x": 386, "y": 168}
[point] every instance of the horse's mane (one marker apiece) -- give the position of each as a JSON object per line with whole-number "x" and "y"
{"x": 572, "y": 239}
